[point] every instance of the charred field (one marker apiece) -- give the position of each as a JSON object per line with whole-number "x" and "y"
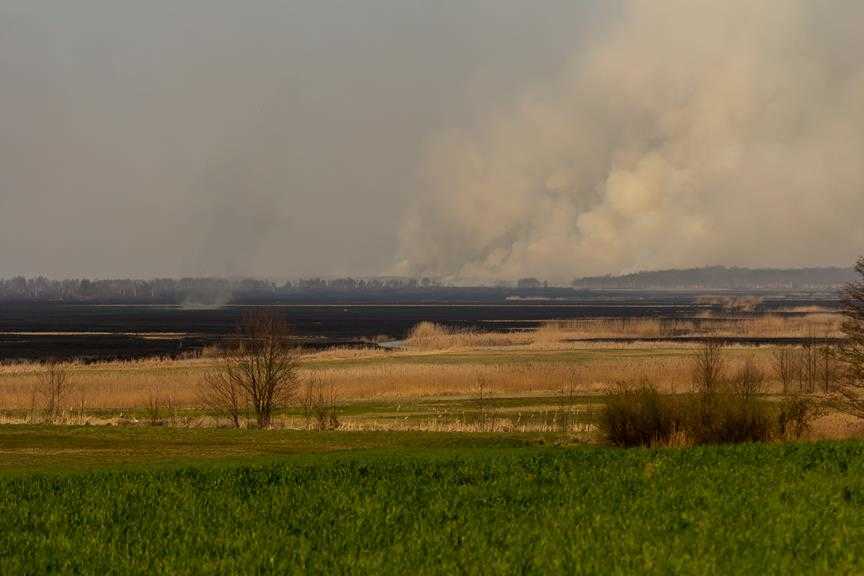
{"x": 108, "y": 331}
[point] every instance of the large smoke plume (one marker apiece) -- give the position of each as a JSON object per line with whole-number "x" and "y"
{"x": 691, "y": 133}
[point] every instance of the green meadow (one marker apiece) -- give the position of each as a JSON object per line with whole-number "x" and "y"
{"x": 145, "y": 501}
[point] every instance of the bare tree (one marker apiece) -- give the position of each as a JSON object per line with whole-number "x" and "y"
{"x": 709, "y": 368}
{"x": 222, "y": 396}
{"x": 809, "y": 364}
{"x": 319, "y": 405}
{"x": 786, "y": 363}
{"x": 54, "y": 387}
{"x": 851, "y": 352}
{"x": 828, "y": 358}
{"x": 259, "y": 372}
{"x": 749, "y": 380}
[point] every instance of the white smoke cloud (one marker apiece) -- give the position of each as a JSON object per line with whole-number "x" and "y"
{"x": 694, "y": 132}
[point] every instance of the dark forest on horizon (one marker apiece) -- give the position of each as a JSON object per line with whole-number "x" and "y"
{"x": 216, "y": 291}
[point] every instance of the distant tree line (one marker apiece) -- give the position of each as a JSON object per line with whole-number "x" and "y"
{"x": 224, "y": 290}
{"x": 195, "y": 290}
{"x": 721, "y": 277}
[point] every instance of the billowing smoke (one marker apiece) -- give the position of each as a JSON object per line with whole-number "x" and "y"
{"x": 690, "y": 133}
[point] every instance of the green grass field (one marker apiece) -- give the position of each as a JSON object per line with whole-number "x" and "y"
{"x": 121, "y": 501}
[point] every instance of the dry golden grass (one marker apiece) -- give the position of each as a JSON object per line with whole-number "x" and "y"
{"x": 809, "y": 310}
{"x": 109, "y": 386}
{"x": 431, "y": 336}
{"x": 560, "y": 333}
{"x": 591, "y": 372}
{"x": 384, "y": 376}
{"x": 446, "y": 425}
{"x": 732, "y": 303}
{"x": 836, "y": 426}
{"x": 767, "y": 326}
{"x": 436, "y": 362}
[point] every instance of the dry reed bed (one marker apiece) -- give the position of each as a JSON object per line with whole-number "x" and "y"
{"x": 558, "y": 334}
{"x": 833, "y": 426}
{"x": 368, "y": 374}
{"x": 767, "y": 326}
{"x": 349, "y": 424}
{"x": 391, "y": 376}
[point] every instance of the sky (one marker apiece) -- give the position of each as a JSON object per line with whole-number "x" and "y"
{"x": 467, "y": 139}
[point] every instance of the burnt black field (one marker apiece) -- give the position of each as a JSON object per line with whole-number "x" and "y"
{"x": 90, "y": 332}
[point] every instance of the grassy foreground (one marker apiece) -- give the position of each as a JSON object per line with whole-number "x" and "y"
{"x": 426, "y": 503}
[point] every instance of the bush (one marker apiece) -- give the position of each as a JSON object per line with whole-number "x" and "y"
{"x": 428, "y": 334}
{"x": 638, "y": 415}
{"x": 319, "y": 405}
{"x": 51, "y": 392}
{"x": 709, "y": 368}
{"x": 749, "y": 381}
{"x": 723, "y": 408}
{"x": 796, "y": 415}
{"x": 726, "y": 409}
{"x": 727, "y": 418}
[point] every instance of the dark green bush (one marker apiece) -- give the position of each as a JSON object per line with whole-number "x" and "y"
{"x": 726, "y": 418}
{"x": 638, "y": 415}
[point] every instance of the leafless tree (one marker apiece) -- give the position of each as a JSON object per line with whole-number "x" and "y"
{"x": 222, "y": 396}
{"x": 54, "y": 387}
{"x": 709, "y": 368}
{"x": 851, "y": 352}
{"x": 319, "y": 405}
{"x": 809, "y": 364}
{"x": 786, "y": 361}
{"x": 828, "y": 358}
{"x": 258, "y": 372}
{"x": 749, "y": 380}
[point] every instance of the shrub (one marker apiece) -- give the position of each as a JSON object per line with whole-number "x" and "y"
{"x": 786, "y": 364}
{"x": 709, "y": 368}
{"x": 733, "y": 413}
{"x": 54, "y": 388}
{"x": 795, "y": 416}
{"x": 638, "y": 415}
{"x": 727, "y": 418}
{"x": 319, "y": 405}
{"x": 424, "y": 330}
{"x": 723, "y": 408}
{"x": 153, "y": 407}
{"x": 749, "y": 380}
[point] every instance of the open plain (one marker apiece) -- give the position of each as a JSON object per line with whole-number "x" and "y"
{"x": 450, "y": 446}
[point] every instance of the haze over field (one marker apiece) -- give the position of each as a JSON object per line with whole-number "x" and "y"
{"x": 473, "y": 139}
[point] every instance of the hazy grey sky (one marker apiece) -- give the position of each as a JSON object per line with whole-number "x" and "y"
{"x": 485, "y": 139}
{"x": 279, "y": 138}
